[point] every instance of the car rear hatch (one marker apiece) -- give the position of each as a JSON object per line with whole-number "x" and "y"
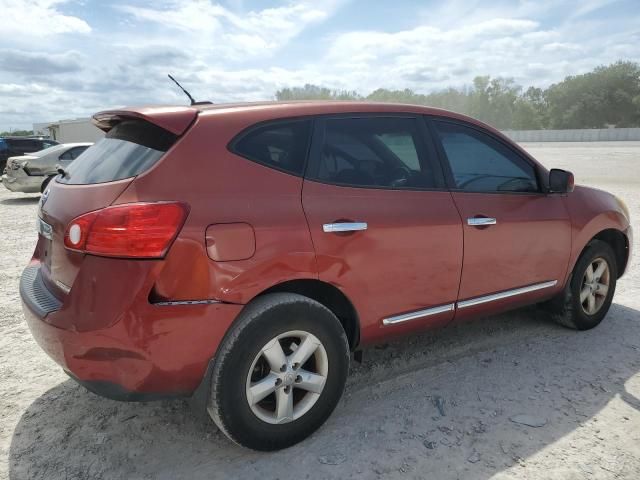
{"x": 135, "y": 140}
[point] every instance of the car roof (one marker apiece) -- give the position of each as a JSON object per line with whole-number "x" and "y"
{"x": 20, "y": 137}
{"x": 76, "y": 144}
{"x": 177, "y": 118}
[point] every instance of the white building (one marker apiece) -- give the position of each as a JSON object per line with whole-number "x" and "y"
{"x": 69, "y": 131}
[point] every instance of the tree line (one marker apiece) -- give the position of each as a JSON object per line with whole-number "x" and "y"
{"x": 608, "y": 96}
{"x": 16, "y": 133}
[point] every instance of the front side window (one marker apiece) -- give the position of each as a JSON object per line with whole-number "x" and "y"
{"x": 479, "y": 163}
{"x": 373, "y": 152}
{"x": 280, "y": 145}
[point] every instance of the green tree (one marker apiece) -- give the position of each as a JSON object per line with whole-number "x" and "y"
{"x": 609, "y": 95}
{"x": 17, "y": 133}
{"x": 314, "y": 92}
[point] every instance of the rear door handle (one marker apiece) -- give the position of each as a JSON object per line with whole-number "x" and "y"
{"x": 481, "y": 221}
{"x": 344, "y": 227}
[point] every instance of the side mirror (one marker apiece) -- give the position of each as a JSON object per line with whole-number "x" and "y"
{"x": 560, "y": 181}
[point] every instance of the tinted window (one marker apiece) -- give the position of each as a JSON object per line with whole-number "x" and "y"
{"x": 373, "y": 152}
{"x": 76, "y": 152}
{"x": 67, "y": 155}
{"x": 281, "y": 145}
{"x": 480, "y": 163}
{"x": 72, "y": 153}
{"x": 24, "y": 145}
{"x": 128, "y": 149}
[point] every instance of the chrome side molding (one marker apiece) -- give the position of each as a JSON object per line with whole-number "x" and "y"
{"x": 509, "y": 293}
{"x": 344, "y": 227}
{"x": 405, "y": 317}
{"x": 186, "y": 302}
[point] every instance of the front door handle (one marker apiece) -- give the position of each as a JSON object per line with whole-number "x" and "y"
{"x": 344, "y": 227}
{"x": 481, "y": 221}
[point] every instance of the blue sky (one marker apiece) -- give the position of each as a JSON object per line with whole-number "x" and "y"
{"x": 69, "y": 58}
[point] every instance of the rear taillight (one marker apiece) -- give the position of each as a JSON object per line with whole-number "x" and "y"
{"x": 132, "y": 230}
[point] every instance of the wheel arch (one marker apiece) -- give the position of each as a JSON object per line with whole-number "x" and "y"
{"x": 328, "y": 295}
{"x": 619, "y": 242}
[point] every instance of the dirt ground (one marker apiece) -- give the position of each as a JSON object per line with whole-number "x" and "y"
{"x": 445, "y": 405}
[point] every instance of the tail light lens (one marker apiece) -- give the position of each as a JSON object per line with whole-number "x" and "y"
{"x": 133, "y": 230}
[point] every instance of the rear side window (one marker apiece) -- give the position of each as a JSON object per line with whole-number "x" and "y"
{"x": 72, "y": 153}
{"x": 129, "y": 149}
{"x": 280, "y": 145}
{"x": 373, "y": 152}
{"x": 479, "y": 163}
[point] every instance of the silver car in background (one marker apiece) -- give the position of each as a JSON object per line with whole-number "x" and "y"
{"x": 31, "y": 173}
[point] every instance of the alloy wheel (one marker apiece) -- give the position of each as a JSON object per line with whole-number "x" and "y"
{"x": 595, "y": 286}
{"x": 287, "y": 377}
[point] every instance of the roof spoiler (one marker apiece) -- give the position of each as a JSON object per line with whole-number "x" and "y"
{"x": 173, "y": 119}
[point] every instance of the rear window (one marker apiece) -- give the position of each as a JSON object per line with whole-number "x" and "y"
{"x": 128, "y": 149}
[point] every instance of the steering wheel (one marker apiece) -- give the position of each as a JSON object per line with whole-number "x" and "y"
{"x": 474, "y": 179}
{"x": 522, "y": 181}
{"x": 400, "y": 176}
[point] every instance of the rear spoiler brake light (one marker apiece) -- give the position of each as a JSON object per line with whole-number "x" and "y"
{"x": 173, "y": 119}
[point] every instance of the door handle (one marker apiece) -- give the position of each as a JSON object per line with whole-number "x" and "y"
{"x": 344, "y": 227}
{"x": 481, "y": 221}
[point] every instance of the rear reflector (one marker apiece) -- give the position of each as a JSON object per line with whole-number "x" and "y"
{"x": 132, "y": 230}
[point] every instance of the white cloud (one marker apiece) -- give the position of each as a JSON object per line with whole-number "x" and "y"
{"x": 212, "y": 27}
{"x": 38, "y": 18}
{"x": 225, "y": 53}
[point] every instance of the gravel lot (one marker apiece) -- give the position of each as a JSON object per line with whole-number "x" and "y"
{"x": 442, "y": 405}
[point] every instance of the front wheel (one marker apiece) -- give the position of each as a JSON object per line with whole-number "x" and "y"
{"x": 588, "y": 295}
{"x": 279, "y": 373}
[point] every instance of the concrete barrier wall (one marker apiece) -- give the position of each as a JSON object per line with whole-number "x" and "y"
{"x": 591, "y": 135}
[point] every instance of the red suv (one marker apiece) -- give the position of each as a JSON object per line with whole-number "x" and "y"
{"x": 239, "y": 253}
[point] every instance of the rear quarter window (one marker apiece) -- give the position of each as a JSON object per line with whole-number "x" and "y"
{"x": 282, "y": 145}
{"x": 128, "y": 149}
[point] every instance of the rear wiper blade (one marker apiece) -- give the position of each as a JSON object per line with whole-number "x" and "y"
{"x": 62, "y": 171}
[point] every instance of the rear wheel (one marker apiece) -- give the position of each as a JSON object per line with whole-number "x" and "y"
{"x": 588, "y": 295}
{"x": 279, "y": 373}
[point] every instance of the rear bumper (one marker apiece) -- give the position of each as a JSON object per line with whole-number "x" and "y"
{"x": 151, "y": 352}
{"x": 19, "y": 181}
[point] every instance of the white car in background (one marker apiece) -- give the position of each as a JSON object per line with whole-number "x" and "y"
{"x": 31, "y": 173}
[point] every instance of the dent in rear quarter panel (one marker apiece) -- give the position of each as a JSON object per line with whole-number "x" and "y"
{"x": 591, "y": 211}
{"x": 220, "y": 188}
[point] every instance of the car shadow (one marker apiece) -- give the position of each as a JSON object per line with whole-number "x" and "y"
{"x": 20, "y": 200}
{"x": 439, "y": 404}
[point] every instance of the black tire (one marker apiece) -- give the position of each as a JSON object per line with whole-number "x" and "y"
{"x": 260, "y": 322}
{"x": 566, "y": 309}
{"x": 45, "y": 184}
